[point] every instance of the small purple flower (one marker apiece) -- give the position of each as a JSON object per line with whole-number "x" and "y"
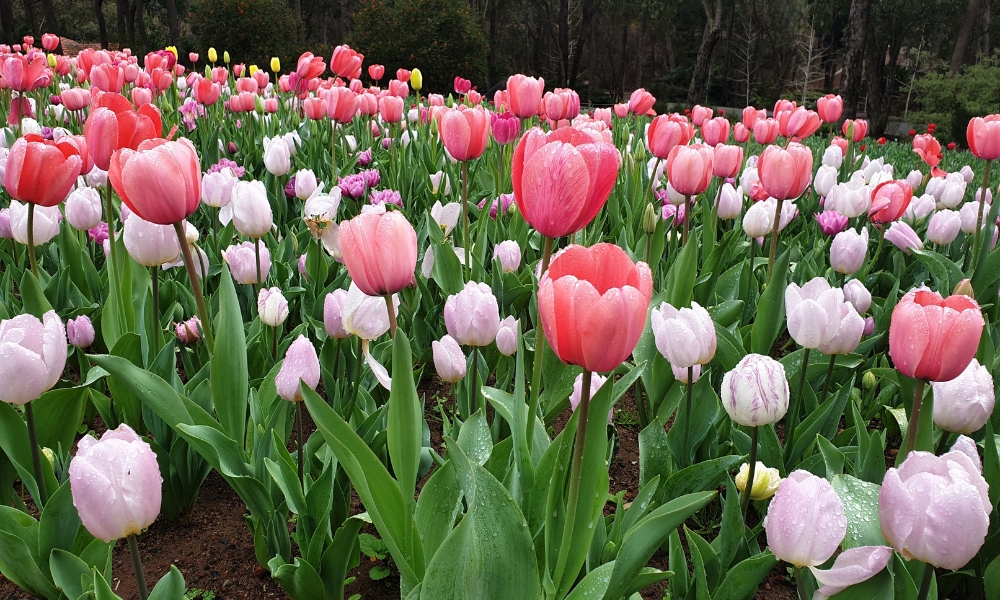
{"x": 869, "y": 326}
{"x": 225, "y": 163}
{"x": 365, "y": 158}
{"x": 386, "y": 197}
{"x": 501, "y": 203}
{"x": 290, "y": 188}
{"x": 47, "y": 133}
{"x": 352, "y": 186}
{"x": 371, "y": 177}
{"x": 98, "y": 234}
{"x": 302, "y": 266}
{"x": 386, "y": 142}
{"x": 670, "y": 211}
{"x": 231, "y": 146}
{"x": 831, "y": 222}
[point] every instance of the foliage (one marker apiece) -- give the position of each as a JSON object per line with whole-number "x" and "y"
{"x": 950, "y": 101}
{"x": 442, "y": 38}
{"x": 251, "y": 30}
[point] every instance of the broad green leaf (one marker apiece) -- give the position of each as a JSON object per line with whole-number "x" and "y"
{"x": 57, "y": 414}
{"x": 438, "y": 508}
{"x": 169, "y": 587}
{"x": 299, "y": 580}
{"x": 742, "y": 580}
{"x": 230, "y": 380}
{"x": 59, "y": 524}
{"x": 705, "y": 475}
{"x": 447, "y": 271}
{"x": 33, "y": 299}
{"x": 860, "y": 500}
{"x": 771, "y": 308}
{"x": 475, "y": 438}
{"x": 67, "y": 572}
{"x": 680, "y": 278}
{"x": 878, "y": 587}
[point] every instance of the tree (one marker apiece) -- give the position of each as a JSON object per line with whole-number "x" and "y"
{"x": 703, "y": 63}
{"x": 850, "y": 83}
{"x": 972, "y": 12}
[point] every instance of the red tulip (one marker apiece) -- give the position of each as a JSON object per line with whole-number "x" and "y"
{"x": 376, "y": 72}
{"x": 727, "y": 160}
{"x": 346, "y": 62}
{"x": 464, "y": 133}
{"x": 715, "y": 131}
{"x": 107, "y": 78}
{"x": 785, "y": 173}
{"x": 22, "y": 75}
{"x": 309, "y": 66}
{"x": 341, "y": 104}
{"x": 592, "y": 303}
{"x": 524, "y": 94}
{"x": 315, "y": 108}
{"x": 50, "y": 41}
{"x": 206, "y": 91}
{"x": 113, "y": 124}
{"x": 934, "y": 338}
{"x": 700, "y": 114}
{"x": 889, "y": 201}
{"x": 829, "y": 108}
{"x": 640, "y": 102}
{"x": 859, "y": 132}
{"x": 983, "y": 135}
{"x": 951, "y": 145}
{"x": 689, "y": 168}
{"x": 881, "y": 141}
{"x": 380, "y": 252}
{"x": 41, "y": 171}
{"x": 562, "y": 179}
{"x": 664, "y": 133}
{"x": 765, "y": 131}
{"x": 912, "y": 132}
{"x": 160, "y": 181}
{"x": 462, "y": 86}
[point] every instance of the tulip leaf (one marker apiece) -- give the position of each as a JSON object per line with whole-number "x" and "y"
{"x": 992, "y": 580}
{"x": 475, "y": 438}
{"x": 704, "y": 407}
{"x": 742, "y": 580}
{"x": 14, "y": 442}
{"x": 654, "y": 453}
{"x": 447, "y": 271}
{"x": 771, "y": 308}
{"x": 405, "y": 420}
{"x": 299, "y": 580}
{"x": 681, "y": 276}
{"x": 860, "y": 500}
{"x": 731, "y": 530}
{"x": 68, "y": 572}
{"x": 19, "y": 561}
{"x": 946, "y": 273}
{"x": 230, "y": 381}
{"x": 876, "y": 588}
{"x": 438, "y": 507}
{"x": 706, "y": 475}
{"x": 57, "y": 414}
{"x": 59, "y": 523}
{"x": 33, "y": 300}
{"x": 169, "y": 586}
{"x": 128, "y": 347}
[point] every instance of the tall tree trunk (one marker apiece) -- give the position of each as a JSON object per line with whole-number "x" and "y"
{"x": 140, "y": 28}
{"x": 564, "y": 42}
{"x": 124, "y": 23}
{"x": 854, "y": 60}
{"x": 171, "y": 6}
{"x": 102, "y": 26}
{"x": 703, "y": 64}
{"x": 51, "y": 24}
{"x": 972, "y": 11}
{"x": 345, "y": 20}
{"x": 492, "y": 68}
{"x": 297, "y": 8}
{"x": 7, "y": 20}
{"x": 574, "y": 70}
{"x": 625, "y": 61}
{"x": 323, "y": 36}
{"x": 984, "y": 40}
{"x": 29, "y": 14}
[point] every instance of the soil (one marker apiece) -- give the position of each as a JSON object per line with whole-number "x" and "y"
{"x": 214, "y": 549}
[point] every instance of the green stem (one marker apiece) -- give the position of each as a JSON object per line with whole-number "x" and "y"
{"x": 745, "y": 500}
{"x": 301, "y": 441}
{"x": 774, "y": 239}
{"x": 925, "y": 582}
{"x": 474, "y": 385}
{"x": 140, "y": 575}
{"x": 911, "y": 434}
{"x": 687, "y": 219}
{"x": 687, "y": 410}
{"x": 31, "y": 239}
{"x": 576, "y": 474}
{"x": 536, "y": 375}
{"x": 792, "y": 417}
{"x": 979, "y": 217}
{"x": 392, "y": 315}
{"x": 110, "y": 210}
{"x": 36, "y": 455}
{"x": 206, "y": 325}
{"x": 465, "y": 218}
{"x": 256, "y": 250}
{"x": 800, "y": 584}
{"x": 829, "y": 375}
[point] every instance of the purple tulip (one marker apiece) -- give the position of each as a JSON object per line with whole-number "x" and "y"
{"x": 848, "y": 250}
{"x": 449, "y": 360}
{"x": 97, "y": 234}
{"x": 831, "y": 222}
{"x": 869, "y": 326}
{"x": 507, "y": 336}
{"x": 936, "y": 508}
{"x": 352, "y": 186}
{"x": 301, "y": 266}
{"x": 5, "y": 231}
{"x": 500, "y": 204}
{"x": 852, "y": 327}
{"x": 755, "y": 392}
{"x": 371, "y": 177}
{"x": 242, "y": 262}
{"x": 805, "y": 522}
{"x": 365, "y": 158}
{"x": 964, "y": 404}
{"x": 385, "y": 197}
{"x": 80, "y": 331}
{"x": 472, "y": 316}
{"x": 814, "y": 312}
{"x": 509, "y": 254}
{"x": 944, "y": 226}
{"x": 189, "y": 331}
{"x": 903, "y": 237}
{"x": 858, "y": 295}
{"x": 116, "y": 484}
{"x": 300, "y": 364}
{"x": 333, "y": 320}
{"x": 32, "y": 356}
{"x": 685, "y": 337}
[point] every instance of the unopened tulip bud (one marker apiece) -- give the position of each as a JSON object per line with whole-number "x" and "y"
{"x": 213, "y": 55}
{"x": 964, "y": 288}
{"x": 416, "y": 79}
{"x": 275, "y": 64}
{"x": 805, "y": 522}
{"x": 225, "y": 56}
{"x": 868, "y": 380}
{"x": 755, "y": 392}
{"x": 189, "y": 331}
{"x": 301, "y": 364}
{"x": 472, "y": 316}
{"x": 509, "y": 255}
{"x": 649, "y": 219}
{"x": 964, "y": 404}
{"x": 449, "y": 360}
{"x": 80, "y": 331}
{"x": 765, "y": 481}
{"x": 507, "y": 336}
{"x": 272, "y": 307}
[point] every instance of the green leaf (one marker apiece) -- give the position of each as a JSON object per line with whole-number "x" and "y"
{"x": 59, "y": 524}
{"x": 946, "y": 273}
{"x": 860, "y": 500}
{"x": 19, "y": 562}
{"x": 742, "y": 580}
{"x": 878, "y": 587}
{"x": 287, "y": 479}
{"x": 680, "y": 278}
{"x": 833, "y": 458}
{"x": 340, "y": 557}
{"x": 771, "y": 308}
{"x": 33, "y": 299}
{"x": 57, "y": 415}
{"x": 230, "y": 380}
{"x": 447, "y": 271}
{"x": 405, "y": 420}
{"x": 654, "y": 454}
{"x": 992, "y": 580}
{"x": 169, "y": 587}
{"x": 705, "y": 475}
{"x": 731, "y": 530}
{"x": 299, "y": 580}
{"x": 14, "y": 442}
{"x": 102, "y": 591}
{"x": 128, "y": 347}
{"x": 475, "y": 438}
{"x": 67, "y": 572}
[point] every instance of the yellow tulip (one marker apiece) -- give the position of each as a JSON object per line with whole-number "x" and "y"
{"x": 765, "y": 481}
{"x": 253, "y": 69}
{"x": 52, "y": 62}
{"x": 213, "y": 55}
{"x": 416, "y": 79}
{"x": 275, "y": 64}
{"x": 172, "y": 49}
{"x": 225, "y": 56}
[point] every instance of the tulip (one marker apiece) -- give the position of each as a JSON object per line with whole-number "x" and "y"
{"x": 472, "y": 316}
{"x": 333, "y": 321}
{"x": 664, "y": 133}
{"x": 765, "y": 481}
{"x": 34, "y": 353}
{"x": 855, "y": 130}
{"x": 858, "y": 295}
{"x": 751, "y": 115}
{"x": 936, "y": 508}
{"x": 116, "y": 484}
{"x": 969, "y": 213}
{"x": 380, "y": 252}
{"x": 755, "y": 392}
{"x": 640, "y": 102}
{"x": 44, "y": 228}
{"x": 22, "y": 74}
{"x": 40, "y": 171}
{"x": 829, "y": 108}
{"x": 700, "y": 114}
{"x": 853, "y": 566}
{"x": 80, "y": 332}
{"x": 831, "y": 222}
{"x": 113, "y": 124}
{"x": 83, "y": 208}
{"x": 833, "y": 156}
{"x": 507, "y": 336}
{"x": 449, "y": 360}
{"x": 277, "y": 158}
{"x": 813, "y": 312}
{"x": 826, "y": 179}
{"x": 150, "y": 244}
{"x": 300, "y": 364}
{"x": 243, "y": 264}
{"x": 944, "y": 227}
{"x": 983, "y": 136}
{"x": 446, "y": 216}
{"x": 889, "y": 201}
{"x": 596, "y": 381}
{"x": 250, "y": 209}
{"x": 928, "y": 148}
{"x": 217, "y": 187}
{"x": 741, "y": 134}
{"x": 726, "y": 161}
{"x": 848, "y": 336}
{"x": 368, "y": 317}
{"x": 851, "y": 198}
{"x": 689, "y": 168}
{"x": 686, "y": 336}
{"x": 508, "y": 253}
{"x": 561, "y": 104}
{"x": 272, "y": 307}
{"x": 160, "y": 182}
{"x": 505, "y": 127}
{"x": 805, "y": 521}
{"x": 758, "y": 221}
{"x": 464, "y": 133}
{"x": 562, "y": 179}
{"x": 784, "y": 173}
{"x": 715, "y": 131}
{"x": 802, "y": 123}
{"x": 765, "y": 131}
{"x": 730, "y": 203}
{"x": 524, "y": 95}
{"x": 416, "y": 79}
{"x": 964, "y": 404}
{"x": 903, "y": 237}
{"x": 391, "y": 109}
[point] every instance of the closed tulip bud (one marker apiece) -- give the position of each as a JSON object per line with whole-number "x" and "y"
{"x": 970, "y": 213}
{"x": 80, "y": 331}
{"x": 755, "y": 392}
{"x": 300, "y": 365}
{"x": 333, "y": 317}
{"x": 34, "y": 356}
{"x": 272, "y": 307}
{"x": 242, "y": 261}
{"x": 858, "y": 295}
{"x": 915, "y": 178}
{"x": 936, "y": 508}
{"x": 649, "y": 219}
{"x": 416, "y": 79}
{"x": 507, "y": 336}
{"x": 508, "y": 252}
{"x": 730, "y": 202}
{"x": 685, "y": 337}
{"x": 964, "y": 288}
{"x": 213, "y": 55}
{"x": 217, "y": 188}
{"x": 275, "y": 64}
{"x": 45, "y": 226}
{"x": 833, "y": 156}
{"x": 805, "y": 521}
{"x": 379, "y": 251}
{"x": 934, "y": 338}
{"x": 868, "y": 380}
{"x": 964, "y": 404}
{"x": 277, "y": 158}
{"x": 826, "y": 178}
{"x": 83, "y": 208}
{"x": 449, "y": 360}
{"x": 727, "y": 160}
{"x": 758, "y": 221}
{"x": 765, "y": 481}
{"x": 472, "y": 316}
{"x": 115, "y": 484}
{"x": 903, "y": 237}
{"x": 849, "y": 333}
{"x": 814, "y": 312}
{"x": 689, "y": 168}
{"x": 225, "y": 56}
{"x": 785, "y": 172}
{"x": 596, "y": 381}
{"x": 944, "y": 227}
{"x": 150, "y": 244}
{"x": 250, "y": 209}
{"x": 305, "y": 184}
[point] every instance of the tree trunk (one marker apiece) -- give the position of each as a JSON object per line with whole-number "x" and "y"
{"x": 124, "y": 23}
{"x": 850, "y": 81}
{"x": 29, "y": 14}
{"x": 345, "y": 19}
{"x": 564, "y": 42}
{"x": 574, "y": 69}
{"x": 625, "y": 60}
{"x": 51, "y": 24}
{"x": 322, "y": 24}
{"x": 972, "y": 11}
{"x": 984, "y": 40}
{"x": 102, "y": 27}
{"x": 171, "y": 6}
{"x": 140, "y": 28}
{"x": 297, "y": 7}
{"x": 7, "y": 20}
{"x": 703, "y": 64}
{"x": 491, "y": 61}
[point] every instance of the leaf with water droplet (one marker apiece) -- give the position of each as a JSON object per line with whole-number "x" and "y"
{"x": 860, "y": 500}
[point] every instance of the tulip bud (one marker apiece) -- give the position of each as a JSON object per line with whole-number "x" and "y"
{"x": 416, "y": 79}
{"x": 225, "y": 56}
{"x": 813, "y": 312}
{"x": 213, "y": 55}
{"x": 596, "y": 381}
{"x": 649, "y": 219}
{"x": 765, "y": 481}
{"x": 868, "y": 380}
{"x": 507, "y": 336}
{"x": 964, "y": 404}
{"x": 80, "y": 331}
{"x": 758, "y": 220}
{"x": 189, "y": 331}
{"x": 300, "y": 364}
{"x": 449, "y": 360}
{"x": 755, "y": 392}
{"x": 964, "y": 288}
{"x": 686, "y": 336}
{"x": 509, "y": 254}
{"x": 858, "y": 295}
{"x": 272, "y": 307}
{"x": 275, "y": 64}
{"x": 805, "y": 522}
{"x": 472, "y": 316}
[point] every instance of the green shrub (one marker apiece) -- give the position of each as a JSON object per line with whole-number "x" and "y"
{"x": 252, "y": 31}
{"x": 443, "y": 38}
{"x": 950, "y": 102}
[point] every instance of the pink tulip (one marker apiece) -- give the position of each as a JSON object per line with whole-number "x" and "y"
{"x": 472, "y": 316}
{"x": 855, "y": 130}
{"x": 398, "y": 88}
{"x": 805, "y": 521}
{"x": 785, "y": 173}
{"x": 206, "y": 91}
{"x": 524, "y": 94}
{"x": 751, "y": 115}
{"x": 686, "y": 336}
{"x": 983, "y": 136}
{"x": 107, "y": 78}
{"x": 464, "y": 133}
{"x": 300, "y": 364}
{"x": 593, "y": 303}
{"x": 829, "y": 108}
{"x": 315, "y": 108}
{"x": 376, "y": 72}
{"x": 936, "y": 508}
{"x": 848, "y": 251}
{"x": 342, "y": 104}
{"x": 507, "y": 336}
{"x": 715, "y": 131}
{"x": 666, "y": 132}
{"x": 505, "y": 127}
{"x": 403, "y": 75}
{"x": 802, "y": 123}
{"x": 700, "y": 114}
{"x": 689, "y": 169}
{"x": 889, "y": 201}
{"x": 23, "y": 75}
{"x": 75, "y": 99}
{"x": 561, "y": 104}
{"x": 391, "y": 109}
{"x": 562, "y": 179}
{"x": 934, "y": 338}
{"x": 449, "y": 360}
{"x": 242, "y": 261}
{"x": 380, "y": 252}
{"x": 80, "y": 331}
{"x": 116, "y": 484}
{"x": 34, "y": 356}
{"x": 853, "y": 566}
{"x": 50, "y": 41}
{"x": 741, "y": 134}
{"x": 621, "y": 110}
{"x": 160, "y": 182}
{"x": 640, "y": 102}
{"x": 113, "y": 124}
{"x": 964, "y": 404}
{"x": 726, "y": 161}
{"x": 333, "y": 309}
{"x": 765, "y": 131}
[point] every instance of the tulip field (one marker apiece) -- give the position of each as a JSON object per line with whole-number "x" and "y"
{"x": 314, "y": 332}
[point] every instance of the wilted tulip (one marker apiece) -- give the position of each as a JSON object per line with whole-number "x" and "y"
{"x": 848, "y": 250}
{"x": 805, "y": 521}
{"x": 755, "y": 392}
{"x": 686, "y": 336}
{"x": 272, "y": 307}
{"x": 449, "y": 360}
{"x": 34, "y": 355}
{"x": 814, "y": 312}
{"x": 507, "y": 336}
{"x": 116, "y": 484}
{"x": 765, "y": 481}
{"x": 472, "y": 316}
{"x": 934, "y": 338}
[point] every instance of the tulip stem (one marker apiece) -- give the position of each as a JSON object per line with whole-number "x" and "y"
{"x": 829, "y": 375}
{"x": 154, "y": 276}
{"x": 536, "y": 375}
{"x": 800, "y": 584}
{"x": 474, "y": 385}
{"x": 774, "y": 239}
{"x": 687, "y": 409}
{"x": 140, "y": 575}
{"x": 110, "y": 210}
{"x": 925, "y": 582}
{"x": 979, "y": 217}
{"x": 392, "y": 315}
{"x": 687, "y": 219}
{"x": 465, "y": 217}
{"x": 576, "y": 473}
{"x": 31, "y": 239}
{"x": 911, "y": 433}
{"x": 36, "y": 455}
{"x": 301, "y": 444}
{"x": 792, "y": 417}
{"x": 256, "y": 251}
{"x": 206, "y": 326}
{"x": 274, "y": 343}
{"x": 745, "y": 500}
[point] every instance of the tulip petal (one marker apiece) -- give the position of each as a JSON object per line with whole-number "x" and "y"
{"x": 852, "y": 567}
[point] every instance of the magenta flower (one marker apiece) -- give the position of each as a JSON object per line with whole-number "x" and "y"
{"x": 831, "y": 222}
